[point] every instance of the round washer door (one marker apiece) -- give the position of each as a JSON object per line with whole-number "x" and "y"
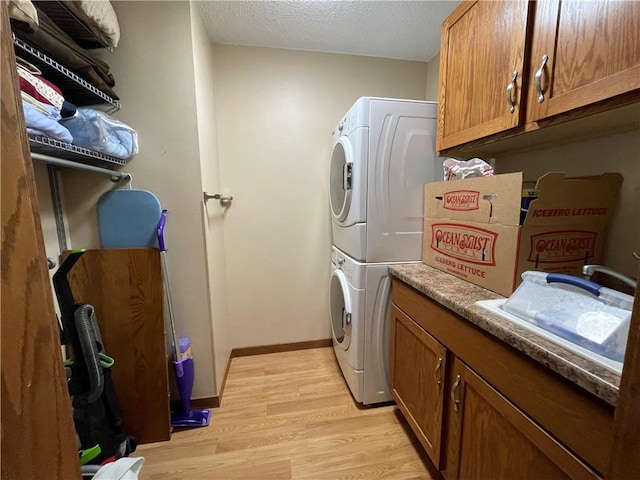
{"x": 341, "y": 178}
{"x": 340, "y": 307}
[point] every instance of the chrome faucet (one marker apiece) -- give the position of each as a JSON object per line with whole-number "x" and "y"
{"x": 589, "y": 270}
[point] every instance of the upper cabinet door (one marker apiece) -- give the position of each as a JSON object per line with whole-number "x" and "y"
{"x": 582, "y": 52}
{"x": 481, "y": 66}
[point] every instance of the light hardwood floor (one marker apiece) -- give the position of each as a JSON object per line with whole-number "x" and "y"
{"x": 290, "y": 416}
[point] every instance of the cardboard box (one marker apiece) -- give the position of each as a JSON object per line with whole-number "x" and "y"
{"x": 471, "y": 226}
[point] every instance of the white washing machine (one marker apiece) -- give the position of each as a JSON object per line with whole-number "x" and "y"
{"x": 383, "y": 154}
{"x": 360, "y": 307}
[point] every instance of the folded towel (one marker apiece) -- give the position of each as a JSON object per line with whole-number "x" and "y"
{"x": 37, "y": 121}
{"x": 39, "y": 106}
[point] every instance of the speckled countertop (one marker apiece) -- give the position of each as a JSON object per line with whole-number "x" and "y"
{"x": 460, "y": 296}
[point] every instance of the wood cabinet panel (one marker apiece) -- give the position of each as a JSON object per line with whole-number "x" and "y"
{"x": 579, "y": 420}
{"x": 38, "y": 436}
{"x": 591, "y": 66}
{"x": 125, "y": 288}
{"x": 490, "y": 438}
{"x": 482, "y": 48}
{"x": 418, "y": 364}
{"x": 626, "y": 440}
{"x": 592, "y": 50}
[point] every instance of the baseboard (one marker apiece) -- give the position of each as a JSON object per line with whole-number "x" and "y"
{"x": 282, "y": 347}
{"x": 202, "y": 403}
{"x": 226, "y": 374}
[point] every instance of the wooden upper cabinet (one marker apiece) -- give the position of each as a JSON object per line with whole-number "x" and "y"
{"x": 482, "y": 58}
{"x": 418, "y": 365}
{"x": 592, "y": 51}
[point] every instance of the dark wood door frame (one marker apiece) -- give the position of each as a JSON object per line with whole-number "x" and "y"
{"x": 38, "y": 437}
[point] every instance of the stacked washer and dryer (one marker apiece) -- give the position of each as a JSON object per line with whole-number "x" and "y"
{"x": 383, "y": 154}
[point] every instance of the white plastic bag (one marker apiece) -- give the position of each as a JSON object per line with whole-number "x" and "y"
{"x": 102, "y": 133}
{"x": 125, "y": 468}
{"x": 459, "y": 169}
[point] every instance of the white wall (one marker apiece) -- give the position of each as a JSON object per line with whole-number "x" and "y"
{"x": 275, "y": 111}
{"x": 433, "y": 80}
{"x": 154, "y": 71}
{"x": 212, "y": 211}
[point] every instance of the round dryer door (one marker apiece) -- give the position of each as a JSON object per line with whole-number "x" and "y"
{"x": 341, "y": 178}
{"x": 340, "y": 309}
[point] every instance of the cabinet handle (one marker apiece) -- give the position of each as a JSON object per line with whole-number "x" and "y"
{"x": 538, "y": 79}
{"x": 454, "y": 391}
{"x": 436, "y": 373}
{"x": 511, "y": 91}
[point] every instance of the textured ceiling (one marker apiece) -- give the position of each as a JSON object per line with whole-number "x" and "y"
{"x": 407, "y": 30}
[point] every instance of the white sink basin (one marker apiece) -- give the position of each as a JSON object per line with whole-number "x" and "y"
{"x": 495, "y": 306}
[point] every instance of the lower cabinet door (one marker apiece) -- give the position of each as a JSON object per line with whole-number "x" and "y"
{"x": 489, "y": 437}
{"x": 418, "y": 365}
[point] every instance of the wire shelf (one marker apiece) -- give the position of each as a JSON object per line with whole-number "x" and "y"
{"x": 65, "y": 79}
{"x": 55, "y": 148}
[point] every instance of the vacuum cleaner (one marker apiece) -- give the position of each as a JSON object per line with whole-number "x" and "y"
{"x": 96, "y": 412}
{"x": 183, "y": 359}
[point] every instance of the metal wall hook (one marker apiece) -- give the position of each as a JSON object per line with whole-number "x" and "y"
{"x": 223, "y": 199}
{"x": 635, "y": 255}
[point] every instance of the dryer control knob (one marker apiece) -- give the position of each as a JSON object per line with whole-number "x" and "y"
{"x": 341, "y": 125}
{"x": 340, "y": 260}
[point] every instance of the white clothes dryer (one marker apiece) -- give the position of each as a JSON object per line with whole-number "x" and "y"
{"x": 383, "y": 154}
{"x": 360, "y": 309}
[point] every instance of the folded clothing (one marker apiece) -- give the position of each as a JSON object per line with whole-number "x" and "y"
{"x": 94, "y": 24}
{"x": 101, "y": 16}
{"x": 53, "y": 41}
{"x": 24, "y": 11}
{"x": 39, "y": 88}
{"x": 102, "y": 133}
{"x": 45, "y": 108}
{"x": 40, "y": 124}
{"x": 68, "y": 109}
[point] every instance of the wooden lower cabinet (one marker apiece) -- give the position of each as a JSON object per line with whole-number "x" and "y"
{"x": 473, "y": 429}
{"x": 417, "y": 380}
{"x": 488, "y": 437}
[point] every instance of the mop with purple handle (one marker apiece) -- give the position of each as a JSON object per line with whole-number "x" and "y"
{"x": 183, "y": 360}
